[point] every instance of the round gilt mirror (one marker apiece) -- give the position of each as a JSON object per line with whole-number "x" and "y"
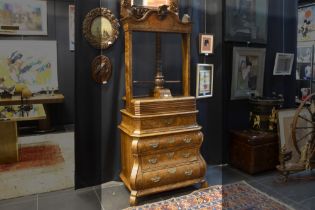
{"x": 100, "y": 28}
{"x": 101, "y": 69}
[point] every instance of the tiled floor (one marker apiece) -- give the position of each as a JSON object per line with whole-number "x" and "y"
{"x": 299, "y": 192}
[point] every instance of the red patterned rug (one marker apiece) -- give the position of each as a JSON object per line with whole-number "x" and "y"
{"x": 35, "y": 156}
{"x": 233, "y": 196}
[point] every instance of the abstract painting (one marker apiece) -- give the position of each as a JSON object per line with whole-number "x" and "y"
{"x": 246, "y": 21}
{"x": 27, "y": 17}
{"x": 32, "y": 63}
{"x": 306, "y": 23}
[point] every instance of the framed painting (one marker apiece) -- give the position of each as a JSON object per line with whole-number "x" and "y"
{"x": 285, "y": 119}
{"x": 27, "y": 17}
{"x": 248, "y": 72}
{"x": 204, "y": 88}
{"x": 29, "y": 63}
{"x": 283, "y": 64}
{"x": 306, "y": 23}
{"x": 246, "y": 21}
{"x": 304, "y": 60}
{"x": 206, "y": 44}
{"x": 101, "y": 28}
{"x": 304, "y": 52}
{"x": 285, "y": 124}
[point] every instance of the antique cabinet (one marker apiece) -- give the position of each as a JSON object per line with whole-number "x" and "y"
{"x": 160, "y": 137}
{"x": 254, "y": 151}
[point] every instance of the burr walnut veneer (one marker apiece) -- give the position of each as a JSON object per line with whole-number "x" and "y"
{"x": 160, "y": 137}
{"x": 160, "y": 149}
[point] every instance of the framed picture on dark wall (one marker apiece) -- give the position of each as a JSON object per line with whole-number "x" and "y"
{"x": 306, "y": 23}
{"x": 23, "y": 17}
{"x": 204, "y": 87}
{"x": 246, "y": 21}
{"x": 206, "y": 44}
{"x": 304, "y": 52}
{"x": 283, "y": 64}
{"x": 248, "y": 72}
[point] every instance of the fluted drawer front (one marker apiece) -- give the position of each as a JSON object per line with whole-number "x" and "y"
{"x": 166, "y": 141}
{"x": 170, "y": 175}
{"x": 169, "y": 159}
{"x": 168, "y": 121}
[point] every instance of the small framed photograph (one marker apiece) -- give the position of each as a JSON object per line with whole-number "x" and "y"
{"x": 304, "y": 52}
{"x": 206, "y": 44}
{"x": 283, "y": 64}
{"x": 204, "y": 87}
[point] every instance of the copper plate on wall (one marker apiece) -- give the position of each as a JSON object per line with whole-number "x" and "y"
{"x": 100, "y": 28}
{"x": 101, "y": 69}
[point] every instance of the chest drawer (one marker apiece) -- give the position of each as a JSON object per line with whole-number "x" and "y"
{"x": 169, "y": 159}
{"x": 170, "y": 175}
{"x": 168, "y": 121}
{"x": 154, "y": 144}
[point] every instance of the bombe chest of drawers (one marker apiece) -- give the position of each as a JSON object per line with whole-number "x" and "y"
{"x": 160, "y": 137}
{"x": 160, "y": 151}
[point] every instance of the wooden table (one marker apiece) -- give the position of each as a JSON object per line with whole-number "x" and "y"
{"x": 8, "y": 128}
{"x": 45, "y": 99}
{"x": 37, "y": 99}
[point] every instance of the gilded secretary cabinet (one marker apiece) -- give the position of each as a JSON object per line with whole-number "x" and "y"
{"x": 160, "y": 137}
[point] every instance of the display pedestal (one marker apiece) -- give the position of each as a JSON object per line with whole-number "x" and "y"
{"x": 8, "y": 127}
{"x": 8, "y": 142}
{"x": 254, "y": 151}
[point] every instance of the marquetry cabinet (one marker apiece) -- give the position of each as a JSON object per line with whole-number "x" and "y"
{"x": 160, "y": 136}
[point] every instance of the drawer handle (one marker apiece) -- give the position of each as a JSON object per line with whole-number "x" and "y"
{"x": 168, "y": 121}
{"x": 154, "y": 145}
{"x": 188, "y": 173}
{"x": 153, "y": 160}
{"x": 172, "y": 170}
{"x": 170, "y": 155}
{"x": 187, "y": 140}
{"x": 186, "y": 155}
{"x": 156, "y": 179}
{"x": 171, "y": 141}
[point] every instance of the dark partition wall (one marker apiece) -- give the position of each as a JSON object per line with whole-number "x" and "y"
{"x": 58, "y": 29}
{"x": 282, "y": 30}
{"x": 97, "y": 107}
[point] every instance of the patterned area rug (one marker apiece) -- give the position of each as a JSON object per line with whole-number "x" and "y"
{"x": 40, "y": 155}
{"x": 233, "y": 196}
{"x": 46, "y": 164}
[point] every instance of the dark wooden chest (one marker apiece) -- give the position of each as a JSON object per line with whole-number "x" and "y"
{"x": 254, "y": 151}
